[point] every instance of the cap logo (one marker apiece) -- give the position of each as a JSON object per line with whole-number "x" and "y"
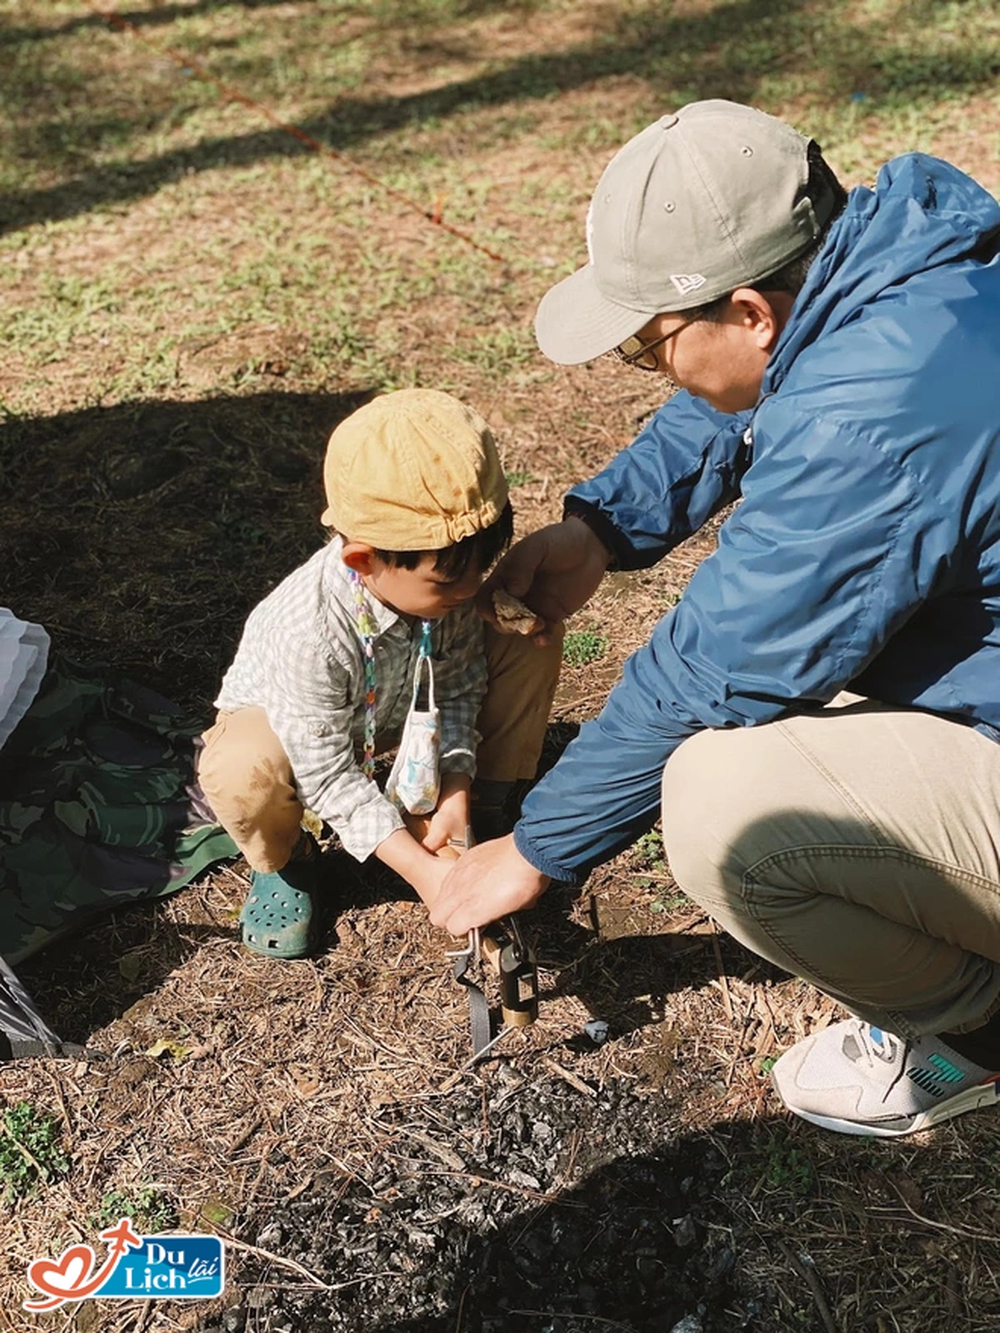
{"x": 688, "y": 282}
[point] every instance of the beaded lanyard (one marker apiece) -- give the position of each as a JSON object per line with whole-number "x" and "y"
{"x": 367, "y": 628}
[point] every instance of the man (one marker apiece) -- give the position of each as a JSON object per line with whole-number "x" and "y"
{"x": 818, "y": 718}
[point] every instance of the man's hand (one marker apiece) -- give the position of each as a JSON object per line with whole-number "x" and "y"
{"x": 490, "y": 881}
{"x": 554, "y": 571}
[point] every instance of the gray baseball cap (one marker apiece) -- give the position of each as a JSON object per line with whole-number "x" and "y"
{"x": 697, "y": 204}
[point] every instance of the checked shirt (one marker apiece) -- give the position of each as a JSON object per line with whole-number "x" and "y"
{"x": 301, "y": 660}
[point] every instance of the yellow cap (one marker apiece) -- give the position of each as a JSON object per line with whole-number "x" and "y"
{"x": 414, "y": 470}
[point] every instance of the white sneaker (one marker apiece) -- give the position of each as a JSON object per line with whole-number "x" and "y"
{"x": 856, "y": 1079}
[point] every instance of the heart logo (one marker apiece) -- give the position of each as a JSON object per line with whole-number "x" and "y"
{"x": 64, "y": 1277}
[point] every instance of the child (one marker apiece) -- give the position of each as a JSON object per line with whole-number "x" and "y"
{"x": 324, "y": 675}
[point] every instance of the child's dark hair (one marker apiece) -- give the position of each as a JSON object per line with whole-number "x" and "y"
{"x": 479, "y": 549}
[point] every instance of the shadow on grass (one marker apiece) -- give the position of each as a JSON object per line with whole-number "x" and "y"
{"x": 165, "y": 14}
{"x": 85, "y": 981}
{"x": 142, "y": 535}
{"x": 733, "y": 50}
{"x": 137, "y": 18}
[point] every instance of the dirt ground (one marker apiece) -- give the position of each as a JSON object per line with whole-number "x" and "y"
{"x": 193, "y": 298}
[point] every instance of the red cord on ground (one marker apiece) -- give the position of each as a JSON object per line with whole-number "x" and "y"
{"x": 235, "y": 95}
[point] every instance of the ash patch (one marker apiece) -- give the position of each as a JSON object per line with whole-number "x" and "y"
{"x": 509, "y": 1205}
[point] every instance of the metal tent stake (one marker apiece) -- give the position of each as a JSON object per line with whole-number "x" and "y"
{"x": 502, "y": 947}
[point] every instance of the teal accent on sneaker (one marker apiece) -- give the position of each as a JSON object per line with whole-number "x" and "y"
{"x": 936, "y": 1080}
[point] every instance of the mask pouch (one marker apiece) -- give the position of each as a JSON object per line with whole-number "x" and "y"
{"x": 414, "y": 783}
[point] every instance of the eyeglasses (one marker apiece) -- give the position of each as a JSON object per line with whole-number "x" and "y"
{"x": 634, "y": 352}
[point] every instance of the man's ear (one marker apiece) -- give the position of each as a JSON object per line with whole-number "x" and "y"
{"x": 358, "y": 556}
{"x": 763, "y": 314}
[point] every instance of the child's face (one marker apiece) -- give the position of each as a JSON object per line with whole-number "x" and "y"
{"x": 423, "y": 592}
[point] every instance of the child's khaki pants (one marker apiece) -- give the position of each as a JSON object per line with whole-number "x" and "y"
{"x": 857, "y": 847}
{"x": 247, "y": 779}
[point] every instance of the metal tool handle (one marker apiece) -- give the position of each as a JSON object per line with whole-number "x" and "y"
{"x": 515, "y": 963}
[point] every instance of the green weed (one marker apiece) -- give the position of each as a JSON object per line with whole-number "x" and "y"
{"x": 648, "y": 850}
{"x": 30, "y": 1151}
{"x": 518, "y": 478}
{"x": 666, "y": 901}
{"x": 649, "y": 853}
{"x": 149, "y": 1208}
{"x": 583, "y": 647}
{"x": 788, "y": 1168}
{"x": 778, "y": 1164}
{"x": 499, "y": 351}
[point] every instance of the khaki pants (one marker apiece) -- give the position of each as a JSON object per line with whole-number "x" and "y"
{"x": 857, "y": 847}
{"x": 247, "y": 779}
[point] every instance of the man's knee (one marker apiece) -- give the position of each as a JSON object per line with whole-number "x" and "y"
{"x": 728, "y": 803}
{"x": 725, "y": 817}
{"x": 695, "y": 807}
{"x": 746, "y": 806}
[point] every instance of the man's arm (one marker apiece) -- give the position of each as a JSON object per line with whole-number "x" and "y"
{"x": 825, "y": 559}
{"x": 679, "y": 471}
{"x": 683, "y": 468}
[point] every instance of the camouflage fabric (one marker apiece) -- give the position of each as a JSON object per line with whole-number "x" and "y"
{"x": 98, "y": 806}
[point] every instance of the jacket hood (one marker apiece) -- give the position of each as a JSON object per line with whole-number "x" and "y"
{"x": 922, "y": 213}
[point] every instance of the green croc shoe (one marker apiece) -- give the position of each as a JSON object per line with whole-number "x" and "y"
{"x": 279, "y": 917}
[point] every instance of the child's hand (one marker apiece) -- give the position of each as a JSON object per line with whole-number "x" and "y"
{"x": 421, "y": 868}
{"x": 434, "y": 870}
{"x": 450, "y": 821}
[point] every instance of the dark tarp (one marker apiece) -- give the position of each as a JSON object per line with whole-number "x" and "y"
{"x": 98, "y": 808}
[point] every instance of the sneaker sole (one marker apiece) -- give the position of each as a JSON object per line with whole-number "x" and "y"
{"x": 973, "y": 1099}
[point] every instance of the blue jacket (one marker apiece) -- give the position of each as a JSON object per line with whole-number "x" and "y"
{"x": 866, "y": 550}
